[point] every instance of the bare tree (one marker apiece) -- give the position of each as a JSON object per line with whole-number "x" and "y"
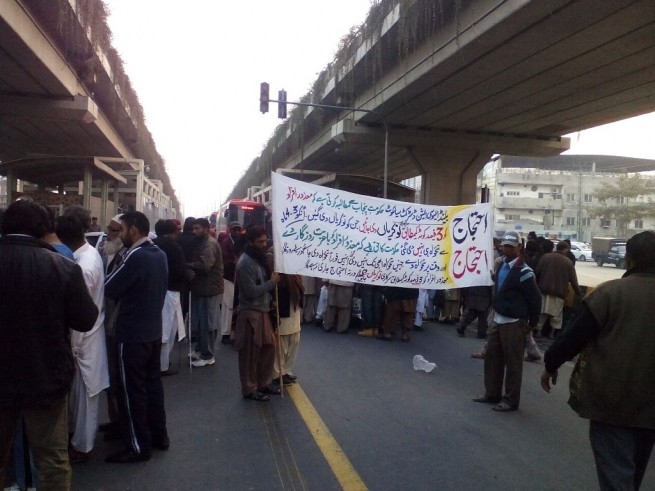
{"x": 618, "y": 200}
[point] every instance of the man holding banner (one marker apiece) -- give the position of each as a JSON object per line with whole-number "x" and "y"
{"x": 254, "y": 338}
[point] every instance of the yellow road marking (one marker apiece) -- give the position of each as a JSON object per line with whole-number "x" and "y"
{"x": 336, "y": 458}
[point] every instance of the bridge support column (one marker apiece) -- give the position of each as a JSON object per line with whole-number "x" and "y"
{"x": 104, "y": 199}
{"x": 450, "y": 174}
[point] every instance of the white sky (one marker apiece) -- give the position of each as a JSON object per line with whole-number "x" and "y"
{"x": 197, "y": 65}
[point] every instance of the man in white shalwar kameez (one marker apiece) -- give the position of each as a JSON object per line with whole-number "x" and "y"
{"x": 89, "y": 348}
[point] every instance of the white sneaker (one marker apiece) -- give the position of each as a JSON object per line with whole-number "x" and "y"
{"x": 195, "y": 355}
{"x": 203, "y": 363}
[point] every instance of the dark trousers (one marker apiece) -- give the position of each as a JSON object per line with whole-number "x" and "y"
{"x": 504, "y": 358}
{"x": 141, "y": 401}
{"x": 114, "y": 379}
{"x": 372, "y": 305}
{"x": 470, "y": 315}
{"x": 621, "y": 454}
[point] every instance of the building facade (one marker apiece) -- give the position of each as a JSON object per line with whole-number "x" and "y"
{"x": 555, "y": 202}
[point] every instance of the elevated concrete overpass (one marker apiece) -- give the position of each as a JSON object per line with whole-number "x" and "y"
{"x": 64, "y": 94}
{"x": 456, "y": 82}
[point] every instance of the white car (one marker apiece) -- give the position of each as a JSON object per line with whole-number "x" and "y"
{"x": 581, "y": 251}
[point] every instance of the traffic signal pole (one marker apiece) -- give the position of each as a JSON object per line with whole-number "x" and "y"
{"x": 284, "y": 102}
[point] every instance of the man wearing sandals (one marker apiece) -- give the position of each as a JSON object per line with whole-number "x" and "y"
{"x": 254, "y": 337}
{"x": 517, "y": 304}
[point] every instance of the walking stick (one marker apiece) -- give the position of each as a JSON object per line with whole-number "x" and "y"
{"x": 190, "y": 345}
{"x": 279, "y": 344}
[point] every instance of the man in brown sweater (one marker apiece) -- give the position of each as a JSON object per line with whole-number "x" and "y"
{"x": 554, "y": 273}
{"x": 612, "y": 383}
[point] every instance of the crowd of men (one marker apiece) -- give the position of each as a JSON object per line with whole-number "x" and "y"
{"x": 106, "y": 318}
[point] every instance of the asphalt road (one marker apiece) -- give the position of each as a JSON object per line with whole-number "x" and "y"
{"x": 590, "y": 274}
{"x": 397, "y": 429}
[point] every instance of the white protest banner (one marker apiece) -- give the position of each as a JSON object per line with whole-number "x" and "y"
{"x": 328, "y": 233}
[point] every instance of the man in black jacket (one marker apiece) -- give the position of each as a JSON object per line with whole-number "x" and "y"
{"x": 42, "y": 295}
{"x": 172, "y": 321}
{"x": 139, "y": 286}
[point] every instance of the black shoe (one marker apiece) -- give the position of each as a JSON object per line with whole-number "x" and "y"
{"x": 127, "y": 456}
{"x": 75, "y": 456}
{"x": 293, "y": 378}
{"x": 161, "y": 443}
{"x": 226, "y": 339}
{"x": 276, "y": 381}
{"x": 488, "y": 400}
{"x": 105, "y": 427}
{"x": 418, "y": 328}
{"x": 460, "y": 332}
{"x": 173, "y": 371}
{"x": 286, "y": 379}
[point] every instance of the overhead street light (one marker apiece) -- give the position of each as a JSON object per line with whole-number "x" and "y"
{"x": 283, "y": 101}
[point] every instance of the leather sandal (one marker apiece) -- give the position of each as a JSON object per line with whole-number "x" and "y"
{"x": 255, "y": 395}
{"x": 270, "y": 389}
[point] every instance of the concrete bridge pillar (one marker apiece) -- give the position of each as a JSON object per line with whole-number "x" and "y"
{"x": 449, "y": 174}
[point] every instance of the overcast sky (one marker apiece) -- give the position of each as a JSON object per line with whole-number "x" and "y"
{"x": 197, "y": 65}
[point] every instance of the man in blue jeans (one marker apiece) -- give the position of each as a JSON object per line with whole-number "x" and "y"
{"x": 613, "y": 383}
{"x": 206, "y": 294}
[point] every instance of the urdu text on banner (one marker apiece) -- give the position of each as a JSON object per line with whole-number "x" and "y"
{"x": 333, "y": 234}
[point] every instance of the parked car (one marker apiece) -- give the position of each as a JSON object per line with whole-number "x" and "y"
{"x": 581, "y": 251}
{"x": 616, "y": 256}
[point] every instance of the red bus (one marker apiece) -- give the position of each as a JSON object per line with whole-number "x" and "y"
{"x": 245, "y": 212}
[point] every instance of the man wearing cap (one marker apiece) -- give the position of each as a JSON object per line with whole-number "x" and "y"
{"x": 231, "y": 247}
{"x": 517, "y": 304}
{"x": 111, "y": 246}
{"x": 111, "y": 249}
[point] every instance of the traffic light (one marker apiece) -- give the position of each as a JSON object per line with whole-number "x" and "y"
{"x": 263, "y": 97}
{"x": 282, "y": 104}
